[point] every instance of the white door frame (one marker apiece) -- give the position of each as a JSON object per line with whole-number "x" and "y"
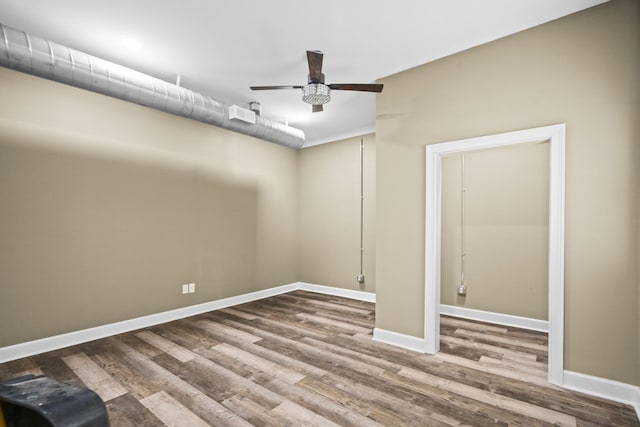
{"x": 555, "y": 134}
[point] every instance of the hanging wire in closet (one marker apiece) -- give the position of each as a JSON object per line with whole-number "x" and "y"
{"x": 462, "y": 289}
{"x": 360, "y": 277}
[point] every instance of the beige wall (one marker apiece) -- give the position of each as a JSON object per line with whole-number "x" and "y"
{"x": 108, "y": 207}
{"x": 581, "y": 70}
{"x": 505, "y": 230}
{"x": 329, "y": 213}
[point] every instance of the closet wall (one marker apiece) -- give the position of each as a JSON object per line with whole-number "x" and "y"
{"x": 506, "y": 230}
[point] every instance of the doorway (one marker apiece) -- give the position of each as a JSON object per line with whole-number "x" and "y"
{"x": 555, "y": 134}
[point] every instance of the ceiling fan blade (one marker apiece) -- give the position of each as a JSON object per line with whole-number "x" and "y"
{"x": 356, "y": 86}
{"x": 316, "y": 108}
{"x": 314, "y": 58}
{"x": 273, "y": 87}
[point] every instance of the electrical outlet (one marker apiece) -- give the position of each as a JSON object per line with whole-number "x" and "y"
{"x": 192, "y": 288}
{"x": 185, "y": 289}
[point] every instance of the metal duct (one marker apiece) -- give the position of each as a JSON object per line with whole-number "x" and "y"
{"x": 34, "y": 55}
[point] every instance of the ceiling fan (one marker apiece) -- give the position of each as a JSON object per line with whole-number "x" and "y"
{"x": 316, "y": 92}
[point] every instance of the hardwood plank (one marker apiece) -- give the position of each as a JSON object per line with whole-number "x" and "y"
{"x": 471, "y": 325}
{"x": 488, "y": 347}
{"x": 252, "y": 412}
{"x": 342, "y": 351}
{"x": 358, "y": 320}
{"x": 403, "y": 404}
{"x": 466, "y": 352}
{"x": 434, "y": 398}
{"x": 188, "y": 395}
{"x": 518, "y": 366}
{"x": 468, "y": 411}
{"x": 325, "y": 356}
{"x": 52, "y": 366}
{"x": 259, "y": 309}
{"x": 127, "y": 411}
{"x": 284, "y": 327}
{"x": 498, "y": 368}
{"x": 328, "y": 408}
{"x": 422, "y": 362}
{"x": 337, "y": 325}
{"x": 281, "y": 359}
{"x": 169, "y": 347}
{"x": 514, "y": 405}
{"x": 291, "y": 327}
{"x": 497, "y": 339}
{"x": 171, "y": 412}
{"x": 301, "y": 416}
{"x": 278, "y": 371}
{"x": 13, "y": 368}
{"x": 141, "y": 346}
{"x": 262, "y": 395}
{"x": 304, "y": 358}
{"x": 226, "y": 333}
{"x": 206, "y": 381}
{"x": 239, "y": 313}
{"x": 346, "y": 302}
{"x": 525, "y": 362}
{"x": 94, "y": 377}
{"x": 184, "y": 334}
{"x": 347, "y": 399}
{"x": 137, "y": 385}
{"x": 228, "y": 381}
{"x": 329, "y": 305}
{"x": 285, "y": 305}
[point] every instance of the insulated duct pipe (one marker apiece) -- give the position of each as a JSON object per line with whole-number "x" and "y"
{"x": 34, "y": 55}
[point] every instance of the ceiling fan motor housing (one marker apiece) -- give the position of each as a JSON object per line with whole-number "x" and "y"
{"x": 316, "y": 93}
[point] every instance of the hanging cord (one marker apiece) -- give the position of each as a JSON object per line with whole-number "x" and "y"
{"x": 361, "y": 276}
{"x": 463, "y": 189}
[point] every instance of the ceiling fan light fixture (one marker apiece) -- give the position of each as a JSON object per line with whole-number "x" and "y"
{"x": 316, "y": 93}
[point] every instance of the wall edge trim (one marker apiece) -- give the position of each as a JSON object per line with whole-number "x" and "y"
{"x": 30, "y": 348}
{"x": 556, "y": 135}
{"x": 496, "y": 318}
{"x": 601, "y": 387}
{"x": 408, "y": 342}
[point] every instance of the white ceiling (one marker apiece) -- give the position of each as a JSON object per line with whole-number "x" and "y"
{"x": 220, "y": 48}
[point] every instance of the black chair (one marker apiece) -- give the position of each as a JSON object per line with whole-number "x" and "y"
{"x": 38, "y": 401}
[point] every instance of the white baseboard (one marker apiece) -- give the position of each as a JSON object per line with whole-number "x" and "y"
{"x": 339, "y": 292}
{"x": 602, "y": 387}
{"x": 496, "y": 318}
{"x": 407, "y": 342}
{"x": 30, "y": 348}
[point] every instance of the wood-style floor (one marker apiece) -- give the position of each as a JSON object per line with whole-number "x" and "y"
{"x": 309, "y": 359}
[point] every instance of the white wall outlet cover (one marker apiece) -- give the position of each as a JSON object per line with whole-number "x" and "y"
{"x": 185, "y": 289}
{"x": 192, "y": 288}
